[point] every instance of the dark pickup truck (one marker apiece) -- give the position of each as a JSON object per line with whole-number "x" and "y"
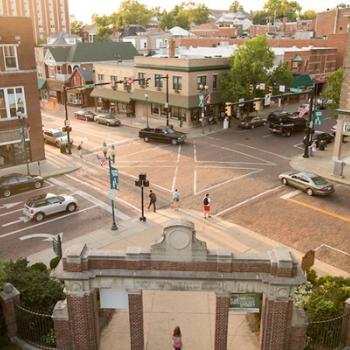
{"x": 286, "y": 124}
{"x": 162, "y": 134}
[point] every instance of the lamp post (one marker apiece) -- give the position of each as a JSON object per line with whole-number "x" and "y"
{"x": 66, "y": 121}
{"x": 142, "y": 182}
{"x": 202, "y": 102}
{"x": 22, "y": 131}
{"x": 309, "y": 124}
{"x": 109, "y": 154}
{"x": 146, "y": 97}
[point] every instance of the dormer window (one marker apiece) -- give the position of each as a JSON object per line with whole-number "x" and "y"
{"x": 10, "y": 57}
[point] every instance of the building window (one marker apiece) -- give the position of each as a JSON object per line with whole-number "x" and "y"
{"x": 313, "y": 66}
{"x": 201, "y": 80}
{"x": 100, "y": 77}
{"x": 158, "y": 83}
{"x": 126, "y": 86}
{"x": 295, "y": 65}
{"x": 58, "y": 69}
{"x": 155, "y": 108}
{"x": 177, "y": 113}
{"x": 51, "y": 71}
{"x": 177, "y": 83}
{"x": 113, "y": 80}
{"x": 142, "y": 77}
{"x": 12, "y": 102}
{"x": 10, "y": 57}
{"x": 215, "y": 82}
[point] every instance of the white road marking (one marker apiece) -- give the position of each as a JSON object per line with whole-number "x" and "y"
{"x": 89, "y": 197}
{"x": 298, "y": 146}
{"x": 290, "y": 194}
{"x": 13, "y": 222}
{"x": 10, "y": 205}
{"x": 46, "y": 222}
{"x": 11, "y": 212}
{"x": 268, "y": 135}
{"x": 176, "y": 169}
{"x": 248, "y": 200}
{"x": 330, "y": 247}
{"x": 194, "y": 152}
{"x": 261, "y": 150}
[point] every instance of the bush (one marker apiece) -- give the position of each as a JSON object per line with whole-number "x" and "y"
{"x": 311, "y": 276}
{"x": 39, "y": 266}
{"x": 54, "y": 262}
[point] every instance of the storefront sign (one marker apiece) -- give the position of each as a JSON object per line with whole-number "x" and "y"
{"x": 248, "y": 302}
{"x": 346, "y": 128}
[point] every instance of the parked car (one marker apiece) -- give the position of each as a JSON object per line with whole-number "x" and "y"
{"x": 308, "y": 182}
{"x": 322, "y": 135}
{"x": 252, "y": 122}
{"x": 15, "y": 182}
{"x": 56, "y": 137}
{"x": 162, "y": 134}
{"x": 85, "y": 115}
{"x": 286, "y": 124}
{"x": 38, "y": 208}
{"x": 107, "y": 119}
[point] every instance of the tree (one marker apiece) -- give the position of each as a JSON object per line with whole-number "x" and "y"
{"x": 261, "y": 17}
{"x": 333, "y": 87}
{"x": 134, "y": 12}
{"x": 104, "y": 26}
{"x": 309, "y": 14}
{"x": 76, "y": 27}
{"x": 236, "y": 6}
{"x": 280, "y": 75}
{"x": 167, "y": 20}
{"x": 282, "y": 8}
{"x": 250, "y": 64}
{"x": 197, "y": 14}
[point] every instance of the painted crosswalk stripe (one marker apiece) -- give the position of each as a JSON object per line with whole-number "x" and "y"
{"x": 13, "y": 222}
{"x": 290, "y": 194}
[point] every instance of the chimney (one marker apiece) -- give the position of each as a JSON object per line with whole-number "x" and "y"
{"x": 171, "y": 48}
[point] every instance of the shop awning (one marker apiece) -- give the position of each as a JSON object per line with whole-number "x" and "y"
{"x": 111, "y": 95}
{"x": 302, "y": 80}
{"x": 41, "y": 84}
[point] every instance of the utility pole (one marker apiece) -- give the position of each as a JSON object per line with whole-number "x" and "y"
{"x": 66, "y": 121}
{"x": 309, "y": 124}
{"x": 167, "y": 99}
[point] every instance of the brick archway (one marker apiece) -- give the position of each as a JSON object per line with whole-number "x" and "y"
{"x": 179, "y": 261}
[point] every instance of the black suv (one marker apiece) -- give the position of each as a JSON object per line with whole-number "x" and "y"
{"x": 12, "y": 183}
{"x": 285, "y": 123}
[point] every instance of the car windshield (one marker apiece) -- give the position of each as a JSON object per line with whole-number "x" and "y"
{"x": 318, "y": 180}
{"x": 107, "y": 116}
{"x": 169, "y": 131}
{"x": 59, "y": 134}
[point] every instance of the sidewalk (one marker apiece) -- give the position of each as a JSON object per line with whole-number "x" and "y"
{"x": 322, "y": 164}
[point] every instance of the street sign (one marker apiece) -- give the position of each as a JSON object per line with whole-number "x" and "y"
{"x": 248, "y": 302}
{"x": 282, "y": 88}
{"x": 111, "y": 194}
{"x": 262, "y": 86}
{"x": 318, "y": 117}
{"x": 89, "y": 86}
{"x": 241, "y": 104}
{"x": 267, "y": 101}
{"x": 67, "y": 122}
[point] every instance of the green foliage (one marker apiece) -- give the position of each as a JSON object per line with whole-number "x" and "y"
{"x": 54, "y": 262}
{"x": 281, "y": 75}
{"x": 167, "y": 20}
{"x": 39, "y": 266}
{"x": 311, "y": 276}
{"x": 249, "y": 65}
{"x": 236, "y": 6}
{"x": 333, "y": 88}
{"x": 197, "y": 13}
{"x": 104, "y": 26}
{"x": 76, "y": 27}
{"x": 38, "y": 291}
{"x": 261, "y": 17}
{"x": 282, "y": 8}
{"x": 308, "y": 14}
{"x": 133, "y": 12}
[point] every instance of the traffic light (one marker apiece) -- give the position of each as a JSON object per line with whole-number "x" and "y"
{"x": 270, "y": 90}
{"x": 251, "y": 89}
{"x": 228, "y": 109}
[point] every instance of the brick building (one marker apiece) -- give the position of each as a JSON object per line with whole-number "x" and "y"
{"x": 49, "y": 16}
{"x": 211, "y": 30}
{"x": 20, "y": 119}
{"x": 332, "y": 21}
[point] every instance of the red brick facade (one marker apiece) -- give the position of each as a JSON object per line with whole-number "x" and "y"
{"x": 63, "y": 335}
{"x": 221, "y": 322}
{"x": 136, "y": 321}
{"x": 9, "y": 311}
{"x": 332, "y": 22}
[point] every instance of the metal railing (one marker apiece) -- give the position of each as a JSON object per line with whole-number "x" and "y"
{"x": 35, "y": 328}
{"x": 327, "y": 335}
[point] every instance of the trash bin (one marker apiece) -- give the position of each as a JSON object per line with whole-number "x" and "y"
{"x": 63, "y": 148}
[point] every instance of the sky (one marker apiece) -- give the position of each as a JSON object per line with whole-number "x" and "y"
{"x": 83, "y": 9}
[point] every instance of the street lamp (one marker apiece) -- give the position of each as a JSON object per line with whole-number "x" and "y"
{"x": 309, "y": 124}
{"x": 146, "y": 97}
{"x": 22, "y": 131}
{"x": 66, "y": 120}
{"x": 142, "y": 182}
{"x": 114, "y": 178}
{"x": 202, "y": 102}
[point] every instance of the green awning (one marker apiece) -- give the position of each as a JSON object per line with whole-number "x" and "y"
{"x": 302, "y": 80}
{"x": 111, "y": 95}
{"x": 41, "y": 84}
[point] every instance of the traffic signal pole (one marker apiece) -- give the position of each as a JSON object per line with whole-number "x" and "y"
{"x": 66, "y": 121}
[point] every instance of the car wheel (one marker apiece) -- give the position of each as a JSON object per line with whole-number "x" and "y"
{"x": 39, "y": 217}
{"x": 309, "y": 192}
{"x": 284, "y": 181}
{"x": 288, "y": 133}
{"x": 174, "y": 142}
{"x": 7, "y": 193}
{"x": 146, "y": 139}
{"x": 71, "y": 207}
{"x": 108, "y": 124}
{"x": 37, "y": 184}
{"x": 252, "y": 126}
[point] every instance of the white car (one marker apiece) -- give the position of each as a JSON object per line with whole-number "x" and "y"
{"x": 38, "y": 208}
{"x": 56, "y": 137}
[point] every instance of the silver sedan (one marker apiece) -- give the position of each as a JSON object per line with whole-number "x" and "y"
{"x": 308, "y": 182}
{"x": 107, "y": 119}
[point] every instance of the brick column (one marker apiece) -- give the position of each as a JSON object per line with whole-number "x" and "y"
{"x": 297, "y": 330}
{"x": 136, "y": 320}
{"x": 83, "y": 320}
{"x": 347, "y": 323}
{"x": 62, "y": 326}
{"x": 221, "y": 321}
{"x": 275, "y": 323}
{"x": 9, "y": 298}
